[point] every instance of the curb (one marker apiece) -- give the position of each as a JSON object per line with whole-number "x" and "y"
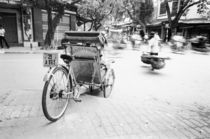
{"x": 19, "y": 52}
{"x": 22, "y": 52}
{"x": 29, "y": 52}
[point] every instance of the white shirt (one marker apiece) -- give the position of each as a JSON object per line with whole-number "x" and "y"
{"x": 154, "y": 44}
{"x": 136, "y": 37}
{"x": 2, "y": 32}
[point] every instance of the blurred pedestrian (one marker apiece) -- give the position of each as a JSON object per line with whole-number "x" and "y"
{"x": 179, "y": 41}
{"x": 2, "y": 37}
{"x": 154, "y": 45}
{"x": 135, "y": 38}
{"x": 142, "y": 34}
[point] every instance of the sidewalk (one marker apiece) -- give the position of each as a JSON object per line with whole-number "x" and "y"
{"x": 23, "y": 50}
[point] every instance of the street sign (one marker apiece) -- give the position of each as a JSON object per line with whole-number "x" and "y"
{"x": 50, "y": 59}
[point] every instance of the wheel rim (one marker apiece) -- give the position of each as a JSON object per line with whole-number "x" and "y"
{"x": 108, "y": 85}
{"x": 55, "y": 104}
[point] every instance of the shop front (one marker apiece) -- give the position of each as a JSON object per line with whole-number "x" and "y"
{"x": 27, "y": 26}
{"x": 10, "y": 18}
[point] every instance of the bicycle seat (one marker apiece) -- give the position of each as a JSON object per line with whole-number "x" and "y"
{"x": 66, "y": 57}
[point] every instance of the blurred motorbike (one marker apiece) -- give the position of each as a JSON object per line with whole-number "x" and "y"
{"x": 156, "y": 62}
{"x": 199, "y": 43}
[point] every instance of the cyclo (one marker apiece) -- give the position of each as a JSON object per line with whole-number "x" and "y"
{"x": 82, "y": 67}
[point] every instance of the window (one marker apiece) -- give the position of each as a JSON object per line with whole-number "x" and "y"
{"x": 174, "y": 7}
{"x": 162, "y": 8}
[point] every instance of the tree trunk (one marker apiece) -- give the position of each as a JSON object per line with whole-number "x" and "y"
{"x": 48, "y": 37}
{"x": 52, "y": 24}
{"x": 174, "y": 26}
{"x": 170, "y": 29}
{"x": 95, "y": 25}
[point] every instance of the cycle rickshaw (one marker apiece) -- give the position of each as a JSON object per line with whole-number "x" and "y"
{"x": 82, "y": 67}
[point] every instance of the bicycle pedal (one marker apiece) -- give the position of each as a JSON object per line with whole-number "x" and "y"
{"x": 77, "y": 100}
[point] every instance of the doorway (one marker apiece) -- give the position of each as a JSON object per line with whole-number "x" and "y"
{"x": 9, "y": 22}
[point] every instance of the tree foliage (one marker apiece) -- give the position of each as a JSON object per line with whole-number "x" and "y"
{"x": 183, "y": 8}
{"x": 118, "y": 13}
{"x": 95, "y": 12}
{"x": 140, "y": 11}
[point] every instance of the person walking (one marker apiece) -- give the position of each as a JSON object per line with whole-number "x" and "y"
{"x": 142, "y": 34}
{"x": 154, "y": 41}
{"x": 135, "y": 38}
{"x": 2, "y": 38}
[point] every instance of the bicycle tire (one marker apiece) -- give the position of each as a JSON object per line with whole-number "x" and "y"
{"x": 45, "y": 95}
{"x": 107, "y": 87}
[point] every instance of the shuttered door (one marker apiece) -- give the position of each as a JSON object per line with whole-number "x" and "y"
{"x": 8, "y": 20}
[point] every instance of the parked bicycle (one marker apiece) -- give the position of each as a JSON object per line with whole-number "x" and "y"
{"x": 82, "y": 67}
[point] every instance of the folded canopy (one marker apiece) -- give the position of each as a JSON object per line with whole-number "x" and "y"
{"x": 83, "y": 37}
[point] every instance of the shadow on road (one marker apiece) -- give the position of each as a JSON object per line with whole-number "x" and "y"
{"x": 145, "y": 66}
{"x": 154, "y": 72}
{"x": 149, "y": 71}
{"x": 95, "y": 92}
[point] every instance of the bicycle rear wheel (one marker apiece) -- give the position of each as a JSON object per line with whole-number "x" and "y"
{"x": 54, "y": 103}
{"x": 108, "y": 84}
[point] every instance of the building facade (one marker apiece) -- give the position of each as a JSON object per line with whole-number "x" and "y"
{"x": 28, "y": 25}
{"x": 190, "y": 24}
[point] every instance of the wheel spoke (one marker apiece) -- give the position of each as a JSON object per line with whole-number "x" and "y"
{"x": 55, "y": 106}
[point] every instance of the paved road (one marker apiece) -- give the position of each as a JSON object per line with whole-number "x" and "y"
{"x": 170, "y": 103}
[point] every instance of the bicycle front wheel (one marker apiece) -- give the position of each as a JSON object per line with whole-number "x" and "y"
{"x": 54, "y": 102}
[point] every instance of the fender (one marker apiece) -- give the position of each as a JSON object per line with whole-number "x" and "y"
{"x": 50, "y": 72}
{"x": 108, "y": 73}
